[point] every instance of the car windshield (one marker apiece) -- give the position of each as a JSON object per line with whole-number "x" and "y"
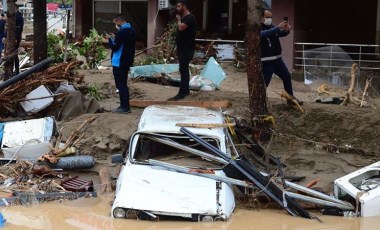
{"x": 176, "y": 149}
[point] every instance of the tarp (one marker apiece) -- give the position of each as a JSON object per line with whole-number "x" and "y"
{"x": 213, "y": 72}
{"x": 150, "y": 70}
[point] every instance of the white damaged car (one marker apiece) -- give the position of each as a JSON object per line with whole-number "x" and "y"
{"x": 155, "y": 181}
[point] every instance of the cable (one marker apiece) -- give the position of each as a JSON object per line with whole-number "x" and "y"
{"x": 14, "y": 155}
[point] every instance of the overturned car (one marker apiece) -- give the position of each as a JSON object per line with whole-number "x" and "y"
{"x": 157, "y": 178}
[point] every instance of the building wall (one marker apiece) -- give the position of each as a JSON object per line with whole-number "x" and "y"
{"x": 83, "y": 17}
{"x": 378, "y": 24}
{"x": 281, "y": 9}
{"x": 326, "y": 21}
{"x": 159, "y": 19}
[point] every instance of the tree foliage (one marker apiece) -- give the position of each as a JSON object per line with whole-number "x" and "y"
{"x": 93, "y": 49}
{"x": 56, "y": 48}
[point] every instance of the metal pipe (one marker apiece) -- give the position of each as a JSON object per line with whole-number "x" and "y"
{"x": 268, "y": 188}
{"x": 334, "y": 44}
{"x": 316, "y": 194}
{"x": 218, "y": 40}
{"x": 210, "y": 176}
{"x": 188, "y": 149}
{"x": 26, "y": 73}
{"x": 318, "y": 201}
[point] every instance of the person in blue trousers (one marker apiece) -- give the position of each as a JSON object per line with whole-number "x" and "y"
{"x": 123, "y": 48}
{"x": 271, "y": 52}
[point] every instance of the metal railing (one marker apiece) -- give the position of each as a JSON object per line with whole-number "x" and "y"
{"x": 327, "y": 55}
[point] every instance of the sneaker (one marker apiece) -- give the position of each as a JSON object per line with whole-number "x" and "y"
{"x": 178, "y": 97}
{"x": 122, "y": 110}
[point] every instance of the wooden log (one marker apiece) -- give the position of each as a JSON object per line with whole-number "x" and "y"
{"x": 204, "y": 104}
{"x": 350, "y": 91}
{"x": 105, "y": 181}
{"x": 293, "y": 100}
{"x": 368, "y": 82}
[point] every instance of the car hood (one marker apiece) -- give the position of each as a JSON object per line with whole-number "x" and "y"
{"x": 149, "y": 188}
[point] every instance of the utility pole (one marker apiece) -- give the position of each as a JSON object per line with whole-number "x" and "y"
{"x": 256, "y": 84}
{"x": 10, "y": 41}
{"x": 40, "y": 44}
{"x": 67, "y": 36}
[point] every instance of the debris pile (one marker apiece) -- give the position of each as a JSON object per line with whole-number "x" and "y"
{"x": 29, "y": 183}
{"x": 45, "y": 178}
{"x": 11, "y": 96}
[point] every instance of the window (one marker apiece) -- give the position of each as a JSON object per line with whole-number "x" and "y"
{"x": 103, "y": 15}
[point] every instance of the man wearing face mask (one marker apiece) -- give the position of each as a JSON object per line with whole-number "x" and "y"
{"x": 123, "y": 53}
{"x": 185, "y": 45}
{"x": 271, "y": 52}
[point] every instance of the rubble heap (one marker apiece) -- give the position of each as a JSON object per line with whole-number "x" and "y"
{"x": 51, "y": 78}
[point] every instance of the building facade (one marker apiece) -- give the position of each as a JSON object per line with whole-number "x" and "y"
{"x": 322, "y": 21}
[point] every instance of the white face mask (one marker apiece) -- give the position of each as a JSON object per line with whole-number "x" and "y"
{"x": 117, "y": 27}
{"x": 267, "y": 21}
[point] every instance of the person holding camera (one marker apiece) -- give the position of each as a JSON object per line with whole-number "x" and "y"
{"x": 123, "y": 46}
{"x": 271, "y": 52}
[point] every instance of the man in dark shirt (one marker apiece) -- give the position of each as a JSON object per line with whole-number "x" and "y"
{"x": 271, "y": 52}
{"x": 185, "y": 46}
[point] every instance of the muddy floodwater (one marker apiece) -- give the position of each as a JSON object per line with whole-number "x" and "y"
{"x": 93, "y": 213}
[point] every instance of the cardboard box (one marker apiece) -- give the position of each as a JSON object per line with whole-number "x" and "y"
{"x": 34, "y": 106}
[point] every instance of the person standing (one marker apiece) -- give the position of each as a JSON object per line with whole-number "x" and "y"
{"x": 123, "y": 53}
{"x": 2, "y": 32}
{"x": 271, "y": 52}
{"x": 19, "y": 29}
{"x": 185, "y": 40}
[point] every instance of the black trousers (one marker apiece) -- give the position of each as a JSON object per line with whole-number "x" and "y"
{"x": 184, "y": 58}
{"x": 279, "y": 68}
{"x": 121, "y": 76}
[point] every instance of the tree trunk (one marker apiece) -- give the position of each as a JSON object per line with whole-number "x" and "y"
{"x": 256, "y": 83}
{"x": 10, "y": 41}
{"x": 40, "y": 43}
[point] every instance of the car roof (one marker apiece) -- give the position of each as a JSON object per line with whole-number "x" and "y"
{"x": 163, "y": 119}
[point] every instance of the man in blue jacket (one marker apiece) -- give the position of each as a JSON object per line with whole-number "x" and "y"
{"x": 271, "y": 52}
{"x": 123, "y": 53}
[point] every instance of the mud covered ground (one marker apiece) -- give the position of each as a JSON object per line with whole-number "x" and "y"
{"x": 326, "y": 142}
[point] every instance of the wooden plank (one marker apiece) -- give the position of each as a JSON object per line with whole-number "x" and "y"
{"x": 204, "y": 104}
{"x": 204, "y": 126}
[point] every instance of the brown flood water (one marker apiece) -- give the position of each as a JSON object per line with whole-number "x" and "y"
{"x": 93, "y": 213}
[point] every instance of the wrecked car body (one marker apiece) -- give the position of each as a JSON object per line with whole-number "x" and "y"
{"x": 150, "y": 191}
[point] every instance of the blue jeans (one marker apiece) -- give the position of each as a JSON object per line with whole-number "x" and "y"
{"x": 184, "y": 58}
{"x": 121, "y": 77}
{"x": 279, "y": 68}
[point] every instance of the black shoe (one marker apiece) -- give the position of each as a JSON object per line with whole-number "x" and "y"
{"x": 122, "y": 110}
{"x": 178, "y": 97}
